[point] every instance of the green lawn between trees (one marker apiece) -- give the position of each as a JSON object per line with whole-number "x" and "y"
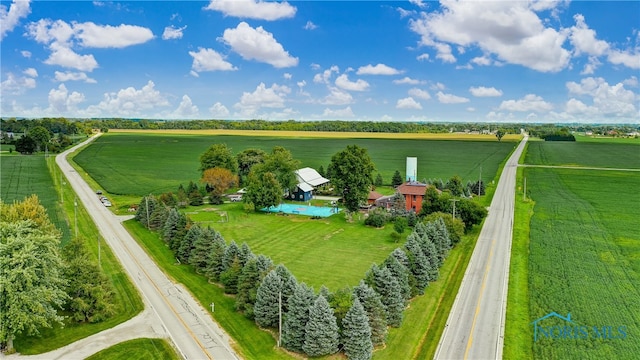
{"x": 147, "y": 349}
{"x": 580, "y": 254}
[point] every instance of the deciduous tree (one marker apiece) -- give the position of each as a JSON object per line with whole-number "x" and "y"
{"x": 218, "y": 181}
{"x": 218, "y": 155}
{"x": 246, "y": 160}
{"x": 263, "y": 190}
{"x": 352, "y": 170}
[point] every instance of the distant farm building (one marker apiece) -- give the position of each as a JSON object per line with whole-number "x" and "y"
{"x": 308, "y": 180}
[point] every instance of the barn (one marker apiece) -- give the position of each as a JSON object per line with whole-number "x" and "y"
{"x": 308, "y": 179}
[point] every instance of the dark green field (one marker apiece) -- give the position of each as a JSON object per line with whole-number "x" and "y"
{"x": 140, "y": 164}
{"x": 24, "y": 175}
{"x": 596, "y": 154}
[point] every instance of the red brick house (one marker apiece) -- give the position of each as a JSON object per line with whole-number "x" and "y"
{"x": 413, "y": 192}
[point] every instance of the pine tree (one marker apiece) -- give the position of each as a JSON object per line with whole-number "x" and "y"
{"x": 202, "y": 247}
{"x": 431, "y": 253}
{"x": 245, "y": 253}
{"x": 356, "y": 333}
{"x": 418, "y": 264}
{"x": 230, "y": 254}
{"x": 443, "y": 239}
{"x": 186, "y": 246}
{"x": 289, "y": 285}
{"x": 215, "y": 258}
{"x": 265, "y": 264}
{"x": 324, "y": 291}
{"x": 293, "y": 329}
{"x": 266, "y": 309}
{"x": 372, "y": 304}
{"x": 391, "y": 295}
{"x": 248, "y": 283}
{"x": 401, "y": 273}
{"x": 229, "y": 277}
{"x": 170, "y": 228}
{"x": 396, "y": 179}
{"x": 321, "y": 331}
{"x": 158, "y": 217}
{"x": 401, "y": 256}
{"x": 181, "y": 232}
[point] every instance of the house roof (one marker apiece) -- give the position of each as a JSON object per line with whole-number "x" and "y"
{"x": 373, "y": 195}
{"x": 412, "y": 188}
{"x": 310, "y": 176}
{"x": 305, "y": 187}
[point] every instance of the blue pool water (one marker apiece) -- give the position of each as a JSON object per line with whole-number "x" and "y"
{"x": 322, "y": 211}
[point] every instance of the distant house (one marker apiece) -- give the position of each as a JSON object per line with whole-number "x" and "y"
{"x": 373, "y": 196}
{"x": 308, "y": 179}
{"x": 384, "y": 202}
{"x": 413, "y": 192}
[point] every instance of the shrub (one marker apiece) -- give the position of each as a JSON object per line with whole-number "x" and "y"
{"x": 400, "y": 224}
{"x": 377, "y": 218}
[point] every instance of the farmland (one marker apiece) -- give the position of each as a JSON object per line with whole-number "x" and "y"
{"x": 22, "y": 176}
{"x": 583, "y": 252}
{"x": 138, "y": 164}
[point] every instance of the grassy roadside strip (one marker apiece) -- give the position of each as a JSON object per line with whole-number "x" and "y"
{"x": 252, "y": 343}
{"x": 127, "y": 301}
{"x": 517, "y": 334}
{"x": 144, "y": 348}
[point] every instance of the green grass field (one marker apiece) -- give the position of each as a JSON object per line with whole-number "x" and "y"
{"x": 595, "y": 154}
{"x": 24, "y": 175}
{"x": 147, "y": 349}
{"x": 607, "y": 139}
{"x": 138, "y": 164}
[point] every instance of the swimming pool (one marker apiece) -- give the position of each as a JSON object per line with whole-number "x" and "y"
{"x": 322, "y": 211}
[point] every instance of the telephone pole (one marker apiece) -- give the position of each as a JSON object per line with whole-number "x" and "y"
{"x": 75, "y": 214}
{"x": 453, "y": 214}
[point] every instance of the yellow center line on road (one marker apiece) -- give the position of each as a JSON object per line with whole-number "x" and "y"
{"x": 475, "y": 316}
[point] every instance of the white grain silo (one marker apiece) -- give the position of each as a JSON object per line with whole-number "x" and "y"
{"x": 412, "y": 169}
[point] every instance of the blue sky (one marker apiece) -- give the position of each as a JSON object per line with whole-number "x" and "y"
{"x": 497, "y": 61}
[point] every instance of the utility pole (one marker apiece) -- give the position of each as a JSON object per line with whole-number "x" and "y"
{"x": 524, "y": 193}
{"x": 453, "y": 214}
{"x": 279, "y": 317}
{"x": 75, "y": 214}
{"x": 147, "y": 208}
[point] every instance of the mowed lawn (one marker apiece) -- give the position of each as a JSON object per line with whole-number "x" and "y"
{"x": 329, "y": 251}
{"x": 139, "y": 164}
{"x": 24, "y": 175}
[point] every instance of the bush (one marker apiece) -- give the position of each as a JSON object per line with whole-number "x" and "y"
{"x": 395, "y": 237}
{"x": 377, "y": 218}
{"x": 400, "y": 224}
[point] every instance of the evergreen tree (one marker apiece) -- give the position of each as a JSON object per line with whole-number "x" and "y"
{"x": 431, "y": 253}
{"x": 245, "y": 253}
{"x": 401, "y": 273}
{"x": 215, "y": 258}
{"x": 158, "y": 217}
{"x": 171, "y": 225}
{"x": 324, "y": 291}
{"x": 391, "y": 295}
{"x": 401, "y": 256}
{"x": 396, "y": 180}
{"x": 187, "y": 244}
{"x": 229, "y": 277}
{"x": 357, "y": 333}
{"x": 293, "y": 329}
{"x": 202, "y": 247}
{"x": 321, "y": 331}
{"x": 231, "y": 253}
{"x": 289, "y": 285}
{"x": 378, "y": 181}
{"x": 147, "y": 203}
{"x": 442, "y": 240}
{"x": 248, "y": 283}
{"x": 418, "y": 264}
{"x": 181, "y": 232}
{"x": 372, "y": 304}
{"x": 265, "y": 264}
{"x": 266, "y": 308}
{"x": 341, "y": 301}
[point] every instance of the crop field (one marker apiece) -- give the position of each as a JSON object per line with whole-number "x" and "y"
{"x": 138, "y": 164}
{"x": 24, "y": 175}
{"x": 596, "y": 154}
{"x": 328, "y": 251}
{"x": 585, "y": 259}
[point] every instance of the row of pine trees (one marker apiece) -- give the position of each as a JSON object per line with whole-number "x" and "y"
{"x": 352, "y": 320}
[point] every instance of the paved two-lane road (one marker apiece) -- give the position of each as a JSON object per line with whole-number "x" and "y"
{"x": 475, "y": 327}
{"x": 192, "y": 330}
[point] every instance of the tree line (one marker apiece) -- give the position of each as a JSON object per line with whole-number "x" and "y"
{"x": 40, "y": 281}
{"x": 351, "y": 320}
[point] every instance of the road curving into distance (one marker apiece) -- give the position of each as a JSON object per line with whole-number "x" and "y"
{"x": 194, "y": 333}
{"x": 475, "y": 327}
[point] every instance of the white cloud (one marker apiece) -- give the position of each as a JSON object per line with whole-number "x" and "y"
{"x": 626, "y": 58}
{"x": 63, "y": 102}
{"x": 9, "y": 19}
{"x": 450, "y": 98}
{"x": 591, "y": 66}
{"x": 107, "y": 36}
{"x": 419, "y": 93}
{"x": 422, "y": 57}
{"x": 262, "y": 97}
{"x": 25, "y": 53}
{"x": 438, "y": 86}
{"x": 130, "y": 102}
{"x": 343, "y": 82}
{"x": 65, "y": 57}
{"x": 407, "y": 80}
{"x": 73, "y": 76}
{"x": 481, "y": 60}
{"x": 471, "y": 109}
{"x": 252, "y": 9}
{"x": 171, "y": 32}
{"x": 408, "y": 103}
{"x": 482, "y": 91}
{"x": 631, "y": 82}
{"x": 186, "y": 109}
{"x": 584, "y": 39}
{"x": 444, "y": 53}
{"x": 310, "y": 26}
{"x": 287, "y": 76}
{"x": 337, "y": 97}
{"x": 379, "y": 69}
{"x": 338, "y": 113}
{"x": 418, "y": 3}
{"x": 31, "y": 72}
{"x": 218, "y": 110}
{"x": 510, "y": 30}
{"x": 325, "y": 76}
{"x": 209, "y": 60}
{"x": 257, "y": 44}
{"x": 17, "y": 85}
{"x": 606, "y": 100}
{"x": 529, "y": 102}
